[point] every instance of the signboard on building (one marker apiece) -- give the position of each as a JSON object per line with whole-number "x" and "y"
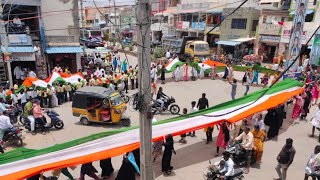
{"x": 315, "y": 51}
{"x": 295, "y": 76}
{"x": 296, "y": 33}
{"x": 272, "y": 39}
{"x": 202, "y": 25}
{"x": 287, "y": 34}
{"x": 183, "y": 25}
{"x": 18, "y": 38}
{"x": 23, "y": 57}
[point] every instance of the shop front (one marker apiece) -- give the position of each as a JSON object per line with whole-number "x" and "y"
{"x": 22, "y": 57}
{"x": 268, "y": 48}
{"x": 65, "y": 57}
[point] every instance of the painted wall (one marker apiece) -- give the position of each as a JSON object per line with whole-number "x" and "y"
{"x": 67, "y": 22}
{"x": 226, "y": 33}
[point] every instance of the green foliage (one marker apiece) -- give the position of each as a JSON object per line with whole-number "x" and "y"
{"x": 158, "y": 53}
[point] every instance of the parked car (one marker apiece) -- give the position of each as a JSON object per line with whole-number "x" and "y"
{"x": 91, "y": 43}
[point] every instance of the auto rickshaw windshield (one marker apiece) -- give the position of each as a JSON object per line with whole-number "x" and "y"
{"x": 116, "y": 100}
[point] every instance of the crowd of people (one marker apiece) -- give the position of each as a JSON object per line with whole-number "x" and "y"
{"x": 252, "y": 133}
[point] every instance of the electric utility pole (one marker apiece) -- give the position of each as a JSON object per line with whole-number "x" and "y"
{"x": 143, "y": 10}
{"x": 82, "y": 19}
{"x": 198, "y": 25}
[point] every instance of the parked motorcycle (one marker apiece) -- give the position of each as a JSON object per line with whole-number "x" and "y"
{"x": 169, "y": 105}
{"x": 125, "y": 97}
{"x": 214, "y": 173}
{"x": 238, "y": 154}
{"x": 13, "y": 136}
{"x": 55, "y": 121}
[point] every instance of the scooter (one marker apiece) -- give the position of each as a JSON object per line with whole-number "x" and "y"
{"x": 54, "y": 118}
{"x": 238, "y": 154}
{"x": 13, "y": 136}
{"x": 214, "y": 173}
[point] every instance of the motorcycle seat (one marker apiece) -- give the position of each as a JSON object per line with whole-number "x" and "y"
{"x": 237, "y": 172}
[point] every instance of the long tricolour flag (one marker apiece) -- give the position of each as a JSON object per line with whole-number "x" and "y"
{"x": 22, "y": 162}
{"x": 207, "y": 68}
{"x": 172, "y": 65}
{"x": 61, "y": 77}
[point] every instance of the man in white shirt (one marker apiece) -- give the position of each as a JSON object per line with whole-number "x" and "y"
{"x": 3, "y": 106}
{"x": 153, "y": 74}
{"x": 32, "y": 74}
{"x": 168, "y": 55}
{"x": 192, "y": 110}
{"x": 2, "y": 93}
{"x": 229, "y": 166}
{"x": 305, "y": 62}
{"x": 17, "y": 21}
{"x": 5, "y": 124}
{"x": 247, "y": 143}
{"x": 17, "y": 72}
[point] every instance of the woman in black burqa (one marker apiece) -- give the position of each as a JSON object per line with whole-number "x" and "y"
{"x": 126, "y": 171}
{"x": 272, "y": 119}
{"x": 166, "y": 158}
{"x": 106, "y": 167}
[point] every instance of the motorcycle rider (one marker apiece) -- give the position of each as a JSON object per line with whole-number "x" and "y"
{"x": 228, "y": 166}
{"x": 247, "y": 144}
{"x": 5, "y": 125}
{"x": 3, "y": 106}
{"x": 161, "y": 98}
{"x": 27, "y": 112}
{"x": 38, "y": 115}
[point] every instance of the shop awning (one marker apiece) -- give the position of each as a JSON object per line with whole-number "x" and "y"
{"x": 268, "y": 1}
{"x": 228, "y": 43}
{"x": 18, "y": 49}
{"x": 241, "y": 40}
{"x": 64, "y": 50}
{"x": 309, "y": 11}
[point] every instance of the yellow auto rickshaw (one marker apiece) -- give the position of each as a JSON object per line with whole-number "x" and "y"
{"x": 99, "y": 104}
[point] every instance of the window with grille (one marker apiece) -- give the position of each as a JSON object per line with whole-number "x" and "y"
{"x": 239, "y": 24}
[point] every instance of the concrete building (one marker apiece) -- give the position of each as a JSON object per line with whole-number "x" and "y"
{"x": 62, "y": 45}
{"x": 41, "y": 39}
{"x": 237, "y": 31}
{"x": 272, "y": 16}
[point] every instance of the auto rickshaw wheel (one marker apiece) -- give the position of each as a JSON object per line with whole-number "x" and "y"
{"x": 125, "y": 122}
{"x": 85, "y": 121}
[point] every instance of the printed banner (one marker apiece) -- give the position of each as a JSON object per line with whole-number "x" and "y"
{"x": 296, "y": 33}
{"x": 295, "y": 76}
{"x": 315, "y": 51}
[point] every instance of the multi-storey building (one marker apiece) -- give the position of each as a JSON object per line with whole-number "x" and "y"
{"x": 273, "y": 14}
{"x": 41, "y": 34}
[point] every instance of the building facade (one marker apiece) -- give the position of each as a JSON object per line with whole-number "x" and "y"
{"x": 62, "y": 46}
{"x": 273, "y": 14}
{"x": 40, "y": 40}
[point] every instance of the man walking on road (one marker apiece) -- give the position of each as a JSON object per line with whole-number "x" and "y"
{"x": 203, "y": 103}
{"x": 285, "y": 158}
{"x": 193, "y": 109}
